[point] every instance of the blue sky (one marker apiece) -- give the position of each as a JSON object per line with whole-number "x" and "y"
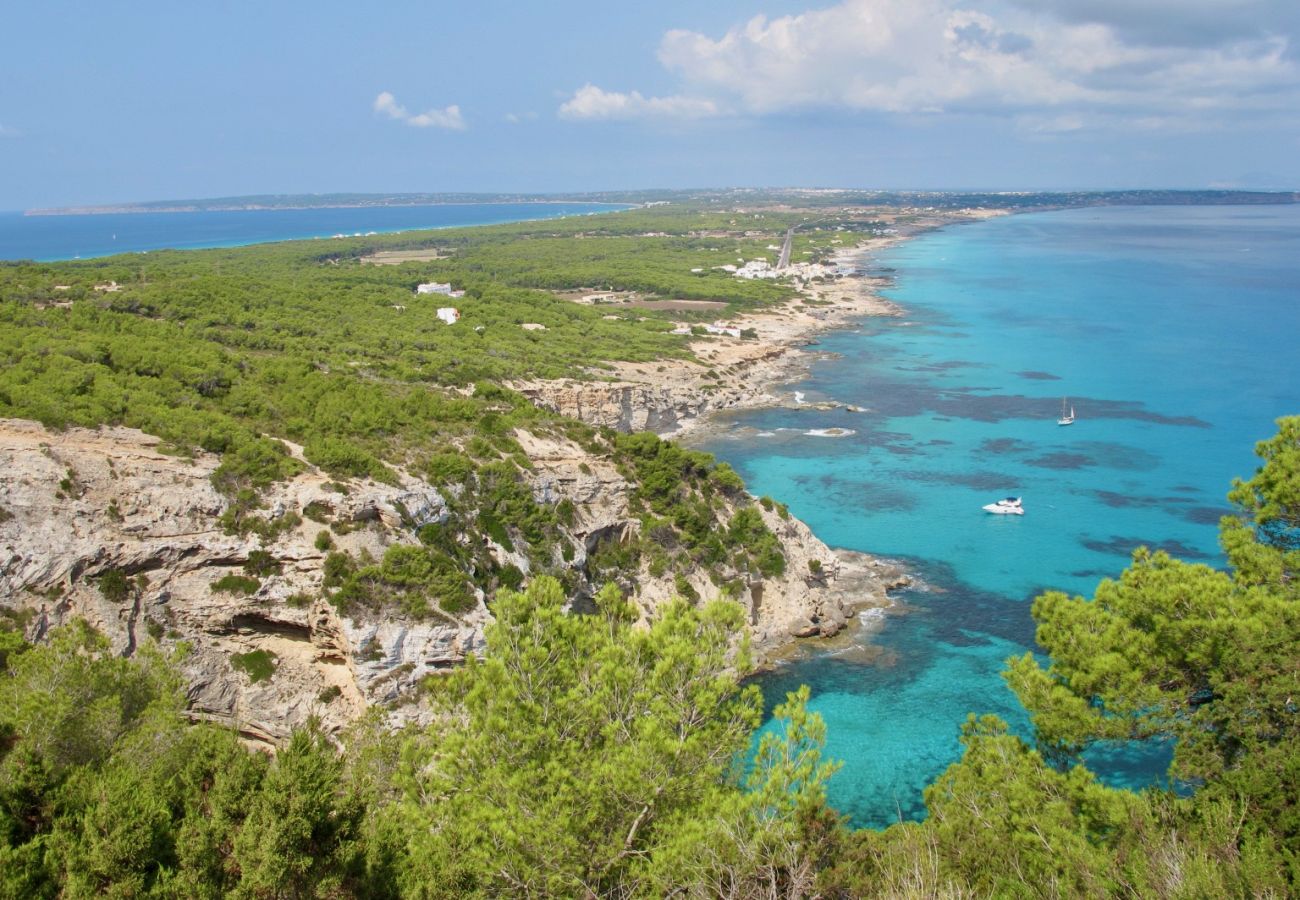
{"x": 108, "y": 102}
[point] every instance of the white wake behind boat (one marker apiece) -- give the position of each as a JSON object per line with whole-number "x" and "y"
{"x": 1009, "y": 506}
{"x": 1066, "y": 419}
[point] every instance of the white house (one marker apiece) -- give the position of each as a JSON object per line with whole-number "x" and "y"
{"x": 533, "y": 326}
{"x": 449, "y": 314}
{"x": 434, "y": 287}
{"x": 756, "y": 268}
{"x": 722, "y": 328}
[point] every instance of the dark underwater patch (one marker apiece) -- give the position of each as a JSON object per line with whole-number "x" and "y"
{"x": 1124, "y": 546}
{"x": 1094, "y": 573}
{"x": 1205, "y": 515}
{"x": 858, "y": 495}
{"x": 1062, "y": 461}
{"x": 946, "y": 366}
{"x": 1116, "y": 500}
{"x": 1001, "y": 446}
{"x": 899, "y": 398}
{"x": 1033, "y": 375}
{"x": 982, "y": 481}
{"x": 1124, "y": 457}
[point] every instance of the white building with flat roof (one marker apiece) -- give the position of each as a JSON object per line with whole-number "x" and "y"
{"x": 449, "y": 314}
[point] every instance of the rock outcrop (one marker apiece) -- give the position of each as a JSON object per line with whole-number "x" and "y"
{"x": 628, "y": 406}
{"x": 107, "y": 525}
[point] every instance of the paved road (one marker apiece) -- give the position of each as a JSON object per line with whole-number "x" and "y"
{"x": 785, "y": 249}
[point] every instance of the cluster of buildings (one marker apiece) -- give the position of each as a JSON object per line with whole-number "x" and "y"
{"x": 755, "y": 268}
{"x": 447, "y": 314}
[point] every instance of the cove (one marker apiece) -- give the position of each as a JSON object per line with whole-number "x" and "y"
{"x": 1171, "y": 330}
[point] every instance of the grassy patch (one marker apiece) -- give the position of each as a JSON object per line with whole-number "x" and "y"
{"x": 258, "y": 665}
{"x": 243, "y": 585}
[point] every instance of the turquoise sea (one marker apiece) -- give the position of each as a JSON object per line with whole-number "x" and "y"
{"x": 48, "y": 238}
{"x": 1175, "y": 334}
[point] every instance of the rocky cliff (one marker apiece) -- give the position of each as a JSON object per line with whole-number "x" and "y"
{"x": 108, "y": 525}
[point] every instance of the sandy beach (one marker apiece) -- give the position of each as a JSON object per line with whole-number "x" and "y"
{"x": 739, "y": 373}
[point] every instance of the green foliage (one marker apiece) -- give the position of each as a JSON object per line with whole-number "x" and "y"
{"x": 300, "y": 836}
{"x": 407, "y": 578}
{"x": 448, "y": 467}
{"x": 243, "y": 585}
{"x": 261, "y": 563}
{"x": 318, "y": 512}
{"x": 258, "y": 665}
{"x": 1263, "y": 540}
{"x": 324, "y": 541}
{"x": 342, "y": 458}
{"x": 114, "y": 586}
{"x": 253, "y": 463}
{"x": 687, "y": 494}
{"x": 568, "y": 770}
{"x": 759, "y": 548}
{"x": 510, "y": 577}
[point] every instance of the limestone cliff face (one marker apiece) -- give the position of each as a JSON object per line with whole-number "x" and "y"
{"x": 80, "y": 504}
{"x": 633, "y": 406}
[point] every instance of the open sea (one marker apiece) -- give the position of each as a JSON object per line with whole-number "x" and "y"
{"x": 1175, "y": 334}
{"x": 49, "y": 238}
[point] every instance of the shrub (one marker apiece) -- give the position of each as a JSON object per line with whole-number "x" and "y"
{"x": 448, "y": 467}
{"x": 261, "y": 563}
{"x": 510, "y": 576}
{"x": 318, "y": 511}
{"x": 685, "y": 589}
{"x": 324, "y": 541}
{"x": 115, "y": 586}
{"x": 258, "y": 665}
{"x": 236, "y": 584}
{"x": 341, "y": 457}
{"x": 565, "y": 512}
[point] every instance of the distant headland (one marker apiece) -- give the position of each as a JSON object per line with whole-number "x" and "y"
{"x": 935, "y": 199}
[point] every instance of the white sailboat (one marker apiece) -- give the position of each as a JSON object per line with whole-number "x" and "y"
{"x": 1066, "y": 418}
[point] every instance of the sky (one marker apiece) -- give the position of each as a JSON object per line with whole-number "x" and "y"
{"x": 107, "y": 102}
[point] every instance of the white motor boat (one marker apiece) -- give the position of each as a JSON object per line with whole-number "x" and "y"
{"x": 1008, "y": 506}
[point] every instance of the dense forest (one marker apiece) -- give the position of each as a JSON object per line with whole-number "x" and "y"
{"x": 584, "y": 754}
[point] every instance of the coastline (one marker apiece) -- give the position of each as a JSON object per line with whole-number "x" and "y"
{"x": 677, "y": 398}
{"x": 681, "y": 400}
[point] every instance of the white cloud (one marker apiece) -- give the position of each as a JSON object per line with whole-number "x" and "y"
{"x": 1044, "y": 63}
{"x": 516, "y": 118}
{"x": 591, "y": 102}
{"x": 386, "y": 104}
